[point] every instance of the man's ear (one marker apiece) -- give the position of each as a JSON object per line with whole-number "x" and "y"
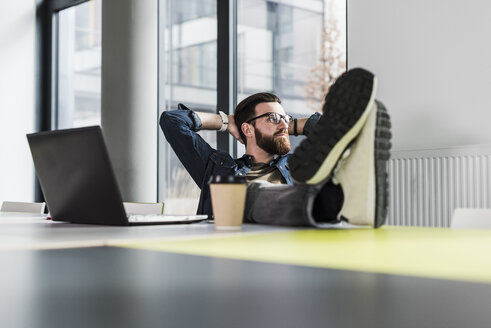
{"x": 247, "y": 129}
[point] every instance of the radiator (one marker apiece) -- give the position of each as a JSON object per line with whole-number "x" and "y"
{"x": 426, "y": 186}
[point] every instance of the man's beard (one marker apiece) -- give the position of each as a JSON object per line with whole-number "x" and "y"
{"x": 272, "y": 145}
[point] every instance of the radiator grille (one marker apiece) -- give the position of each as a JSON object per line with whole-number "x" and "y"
{"x": 425, "y": 189}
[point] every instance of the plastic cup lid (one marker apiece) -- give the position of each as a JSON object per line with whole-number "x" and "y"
{"x": 227, "y": 179}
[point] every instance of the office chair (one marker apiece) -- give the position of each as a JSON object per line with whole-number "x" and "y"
{"x": 144, "y": 208}
{"x": 471, "y": 218}
{"x": 24, "y": 207}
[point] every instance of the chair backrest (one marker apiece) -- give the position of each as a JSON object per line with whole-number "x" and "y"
{"x": 181, "y": 206}
{"x": 143, "y": 208}
{"x": 25, "y": 207}
{"x": 471, "y": 218}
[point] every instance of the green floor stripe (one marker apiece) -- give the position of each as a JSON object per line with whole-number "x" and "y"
{"x": 424, "y": 252}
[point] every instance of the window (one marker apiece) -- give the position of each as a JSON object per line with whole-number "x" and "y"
{"x": 188, "y": 75}
{"x": 77, "y": 67}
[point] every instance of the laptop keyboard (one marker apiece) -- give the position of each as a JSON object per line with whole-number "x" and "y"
{"x": 164, "y": 218}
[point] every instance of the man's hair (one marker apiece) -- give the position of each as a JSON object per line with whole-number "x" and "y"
{"x": 246, "y": 109}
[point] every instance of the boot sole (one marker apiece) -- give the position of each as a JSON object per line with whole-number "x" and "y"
{"x": 382, "y": 156}
{"x": 363, "y": 173}
{"x": 346, "y": 110}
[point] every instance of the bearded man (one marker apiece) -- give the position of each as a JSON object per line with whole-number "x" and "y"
{"x": 316, "y": 197}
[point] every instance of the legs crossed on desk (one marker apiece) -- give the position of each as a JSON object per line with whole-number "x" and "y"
{"x": 298, "y": 205}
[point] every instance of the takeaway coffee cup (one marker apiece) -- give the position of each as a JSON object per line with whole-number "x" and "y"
{"x": 228, "y": 195}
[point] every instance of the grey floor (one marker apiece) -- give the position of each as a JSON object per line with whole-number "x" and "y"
{"x": 118, "y": 287}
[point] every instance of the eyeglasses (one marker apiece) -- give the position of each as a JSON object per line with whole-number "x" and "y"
{"x": 274, "y": 118}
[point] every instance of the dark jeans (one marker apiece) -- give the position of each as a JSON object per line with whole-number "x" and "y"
{"x": 297, "y": 205}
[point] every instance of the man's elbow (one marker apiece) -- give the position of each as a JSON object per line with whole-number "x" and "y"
{"x": 174, "y": 123}
{"x": 164, "y": 121}
{"x": 168, "y": 121}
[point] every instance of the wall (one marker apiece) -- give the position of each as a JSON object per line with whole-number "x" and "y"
{"x": 433, "y": 63}
{"x": 17, "y": 67}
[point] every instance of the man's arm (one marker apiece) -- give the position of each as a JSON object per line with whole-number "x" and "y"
{"x": 180, "y": 129}
{"x": 304, "y": 125}
{"x": 211, "y": 121}
{"x": 300, "y": 124}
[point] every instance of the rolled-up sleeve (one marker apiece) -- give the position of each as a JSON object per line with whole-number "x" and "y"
{"x": 311, "y": 122}
{"x": 179, "y": 128}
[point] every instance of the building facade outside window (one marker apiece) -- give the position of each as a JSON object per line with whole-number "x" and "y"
{"x": 77, "y": 78}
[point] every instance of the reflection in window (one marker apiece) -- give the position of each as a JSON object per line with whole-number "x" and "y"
{"x": 78, "y": 66}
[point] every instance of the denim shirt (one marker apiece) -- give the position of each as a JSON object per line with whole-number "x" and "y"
{"x": 202, "y": 161}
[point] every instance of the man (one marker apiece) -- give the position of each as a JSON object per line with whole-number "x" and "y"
{"x": 340, "y": 168}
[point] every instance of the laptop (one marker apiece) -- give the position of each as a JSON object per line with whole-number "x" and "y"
{"x": 78, "y": 181}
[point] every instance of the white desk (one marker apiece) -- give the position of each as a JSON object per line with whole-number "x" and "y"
{"x": 33, "y": 231}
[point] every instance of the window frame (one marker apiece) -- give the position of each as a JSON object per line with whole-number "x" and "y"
{"x": 46, "y": 61}
{"x": 227, "y": 69}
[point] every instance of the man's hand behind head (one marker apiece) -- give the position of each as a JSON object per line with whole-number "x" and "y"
{"x": 233, "y": 129}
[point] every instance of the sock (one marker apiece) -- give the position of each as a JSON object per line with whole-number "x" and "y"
{"x": 328, "y": 203}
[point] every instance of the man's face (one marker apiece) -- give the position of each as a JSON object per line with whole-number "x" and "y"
{"x": 272, "y": 138}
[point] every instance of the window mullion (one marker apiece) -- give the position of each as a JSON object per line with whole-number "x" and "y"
{"x": 226, "y": 67}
